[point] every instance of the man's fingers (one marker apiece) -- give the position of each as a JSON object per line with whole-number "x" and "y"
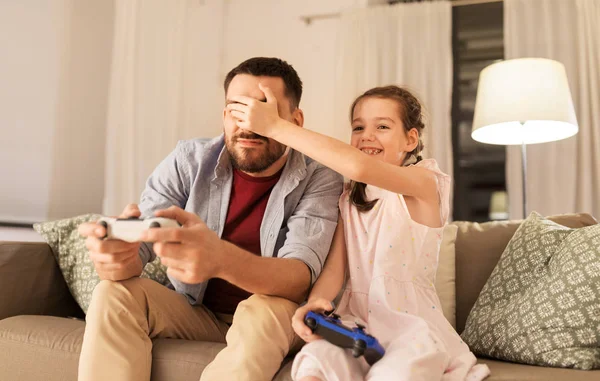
{"x": 173, "y": 263}
{"x": 170, "y": 250}
{"x": 131, "y": 210}
{"x": 174, "y": 235}
{"x": 178, "y": 214}
{"x": 109, "y": 246}
{"x": 176, "y": 273}
{"x": 91, "y": 229}
{"x": 111, "y": 258}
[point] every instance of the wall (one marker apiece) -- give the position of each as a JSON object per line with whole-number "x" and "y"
{"x": 170, "y": 62}
{"x": 277, "y": 30}
{"x": 54, "y": 74}
{"x": 77, "y": 182}
{"x": 29, "y": 74}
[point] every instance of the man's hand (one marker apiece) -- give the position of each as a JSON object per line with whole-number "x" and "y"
{"x": 113, "y": 259}
{"x": 192, "y": 253}
{"x": 302, "y": 330}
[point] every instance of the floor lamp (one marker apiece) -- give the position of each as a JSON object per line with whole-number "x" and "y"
{"x": 523, "y": 101}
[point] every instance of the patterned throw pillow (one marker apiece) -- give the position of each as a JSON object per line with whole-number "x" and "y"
{"x": 73, "y": 260}
{"x": 541, "y": 305}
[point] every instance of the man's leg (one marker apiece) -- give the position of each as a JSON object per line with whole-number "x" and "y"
{"x": 122, "y": 319}
{"x": 257, "y": 342}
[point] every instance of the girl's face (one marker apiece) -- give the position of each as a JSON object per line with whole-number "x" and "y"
{"x": 377, "y": 130}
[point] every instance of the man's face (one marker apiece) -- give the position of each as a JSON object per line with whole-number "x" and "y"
{"x": 250, "y": 152}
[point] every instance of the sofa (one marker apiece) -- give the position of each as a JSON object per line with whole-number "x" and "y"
{"x": 41, "y": 326}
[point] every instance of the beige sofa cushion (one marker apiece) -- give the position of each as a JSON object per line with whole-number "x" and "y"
{"x": 40, "y": 348}
{"x": 31, "y": 282}
{"x": 478, "y": 248}
{"x": 507, "y": 371}
{"x": 445, "y": 280}
{"x": 47, "y": 348}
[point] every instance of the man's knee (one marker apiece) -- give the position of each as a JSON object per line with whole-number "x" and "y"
{"x": 119, "y": 293}
{"x": 267, "y": 307}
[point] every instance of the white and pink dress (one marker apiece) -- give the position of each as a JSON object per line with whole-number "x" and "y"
{"x": 392, "y": 262}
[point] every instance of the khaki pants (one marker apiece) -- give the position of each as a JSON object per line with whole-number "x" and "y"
{"x": 125, "y": 316}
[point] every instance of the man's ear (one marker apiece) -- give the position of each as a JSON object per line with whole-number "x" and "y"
{"x": 412, "y": 139}
{"x": 298, "y": 116}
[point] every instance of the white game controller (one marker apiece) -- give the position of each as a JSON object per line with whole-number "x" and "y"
{"x": 130, "y": 229}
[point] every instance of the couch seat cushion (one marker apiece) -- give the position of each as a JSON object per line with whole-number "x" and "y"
{"x": 40, "y": 348}
{"x": 507, "y": 371}
{"x": 47, "y": 348}
{"x": 445, "y": 279}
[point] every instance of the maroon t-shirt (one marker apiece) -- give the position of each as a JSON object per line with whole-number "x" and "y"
{"x": 249, "y": 197}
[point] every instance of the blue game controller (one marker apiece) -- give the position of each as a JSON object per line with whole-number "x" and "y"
{"x": 331, "y": 329}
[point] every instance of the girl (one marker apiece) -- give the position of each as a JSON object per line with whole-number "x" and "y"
{"x": 388, "y": 237}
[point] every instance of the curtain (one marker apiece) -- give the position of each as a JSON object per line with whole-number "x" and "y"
{"x": 165, "y": 86}
{"x": 409, "y": 45}
{"x": 563, "y": 176}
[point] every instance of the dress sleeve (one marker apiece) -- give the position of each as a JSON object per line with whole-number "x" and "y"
{"x": 444, "y": 186}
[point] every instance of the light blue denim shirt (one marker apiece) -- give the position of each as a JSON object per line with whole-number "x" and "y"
{"x": 299, "y": 220}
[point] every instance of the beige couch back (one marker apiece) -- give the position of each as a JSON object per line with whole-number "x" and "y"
{"x": 478, "y": 249}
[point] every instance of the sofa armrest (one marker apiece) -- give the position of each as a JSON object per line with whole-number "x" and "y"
{"x": 31, "y": 282}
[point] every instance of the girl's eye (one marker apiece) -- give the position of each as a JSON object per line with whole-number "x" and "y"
{"x": 383, "y": 127}
{"x": 357, "y": 128}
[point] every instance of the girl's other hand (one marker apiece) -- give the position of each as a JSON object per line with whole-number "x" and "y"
{"x": 254, "y": 115}
{"x": 316, "y": 305}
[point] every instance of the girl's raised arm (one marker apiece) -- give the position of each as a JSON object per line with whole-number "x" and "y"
{"x": 263, "y": 119}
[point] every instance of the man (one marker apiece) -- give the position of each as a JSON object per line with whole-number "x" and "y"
{"x": 258, "y": 220}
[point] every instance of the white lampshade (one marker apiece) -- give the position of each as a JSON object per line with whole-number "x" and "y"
{"x": 523, "y": 101}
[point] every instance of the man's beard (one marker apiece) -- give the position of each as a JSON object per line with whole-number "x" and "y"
{"x": 253, "y": 160}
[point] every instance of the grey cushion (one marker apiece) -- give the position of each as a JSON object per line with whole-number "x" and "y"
{"x": 73, "y": 258}
{"x": 478, "y": 248}
{"x": 541, "y": 305}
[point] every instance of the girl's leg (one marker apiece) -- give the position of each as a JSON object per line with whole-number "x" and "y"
{"x": 323, "y": 361}
{"x": 411, "y": 357}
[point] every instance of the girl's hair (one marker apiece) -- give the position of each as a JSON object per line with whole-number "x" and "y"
{"x": 411, "y": 116}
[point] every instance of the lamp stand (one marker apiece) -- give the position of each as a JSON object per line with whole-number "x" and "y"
{"x": 524, "y": 171}
{"x": 524, "y": 174}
